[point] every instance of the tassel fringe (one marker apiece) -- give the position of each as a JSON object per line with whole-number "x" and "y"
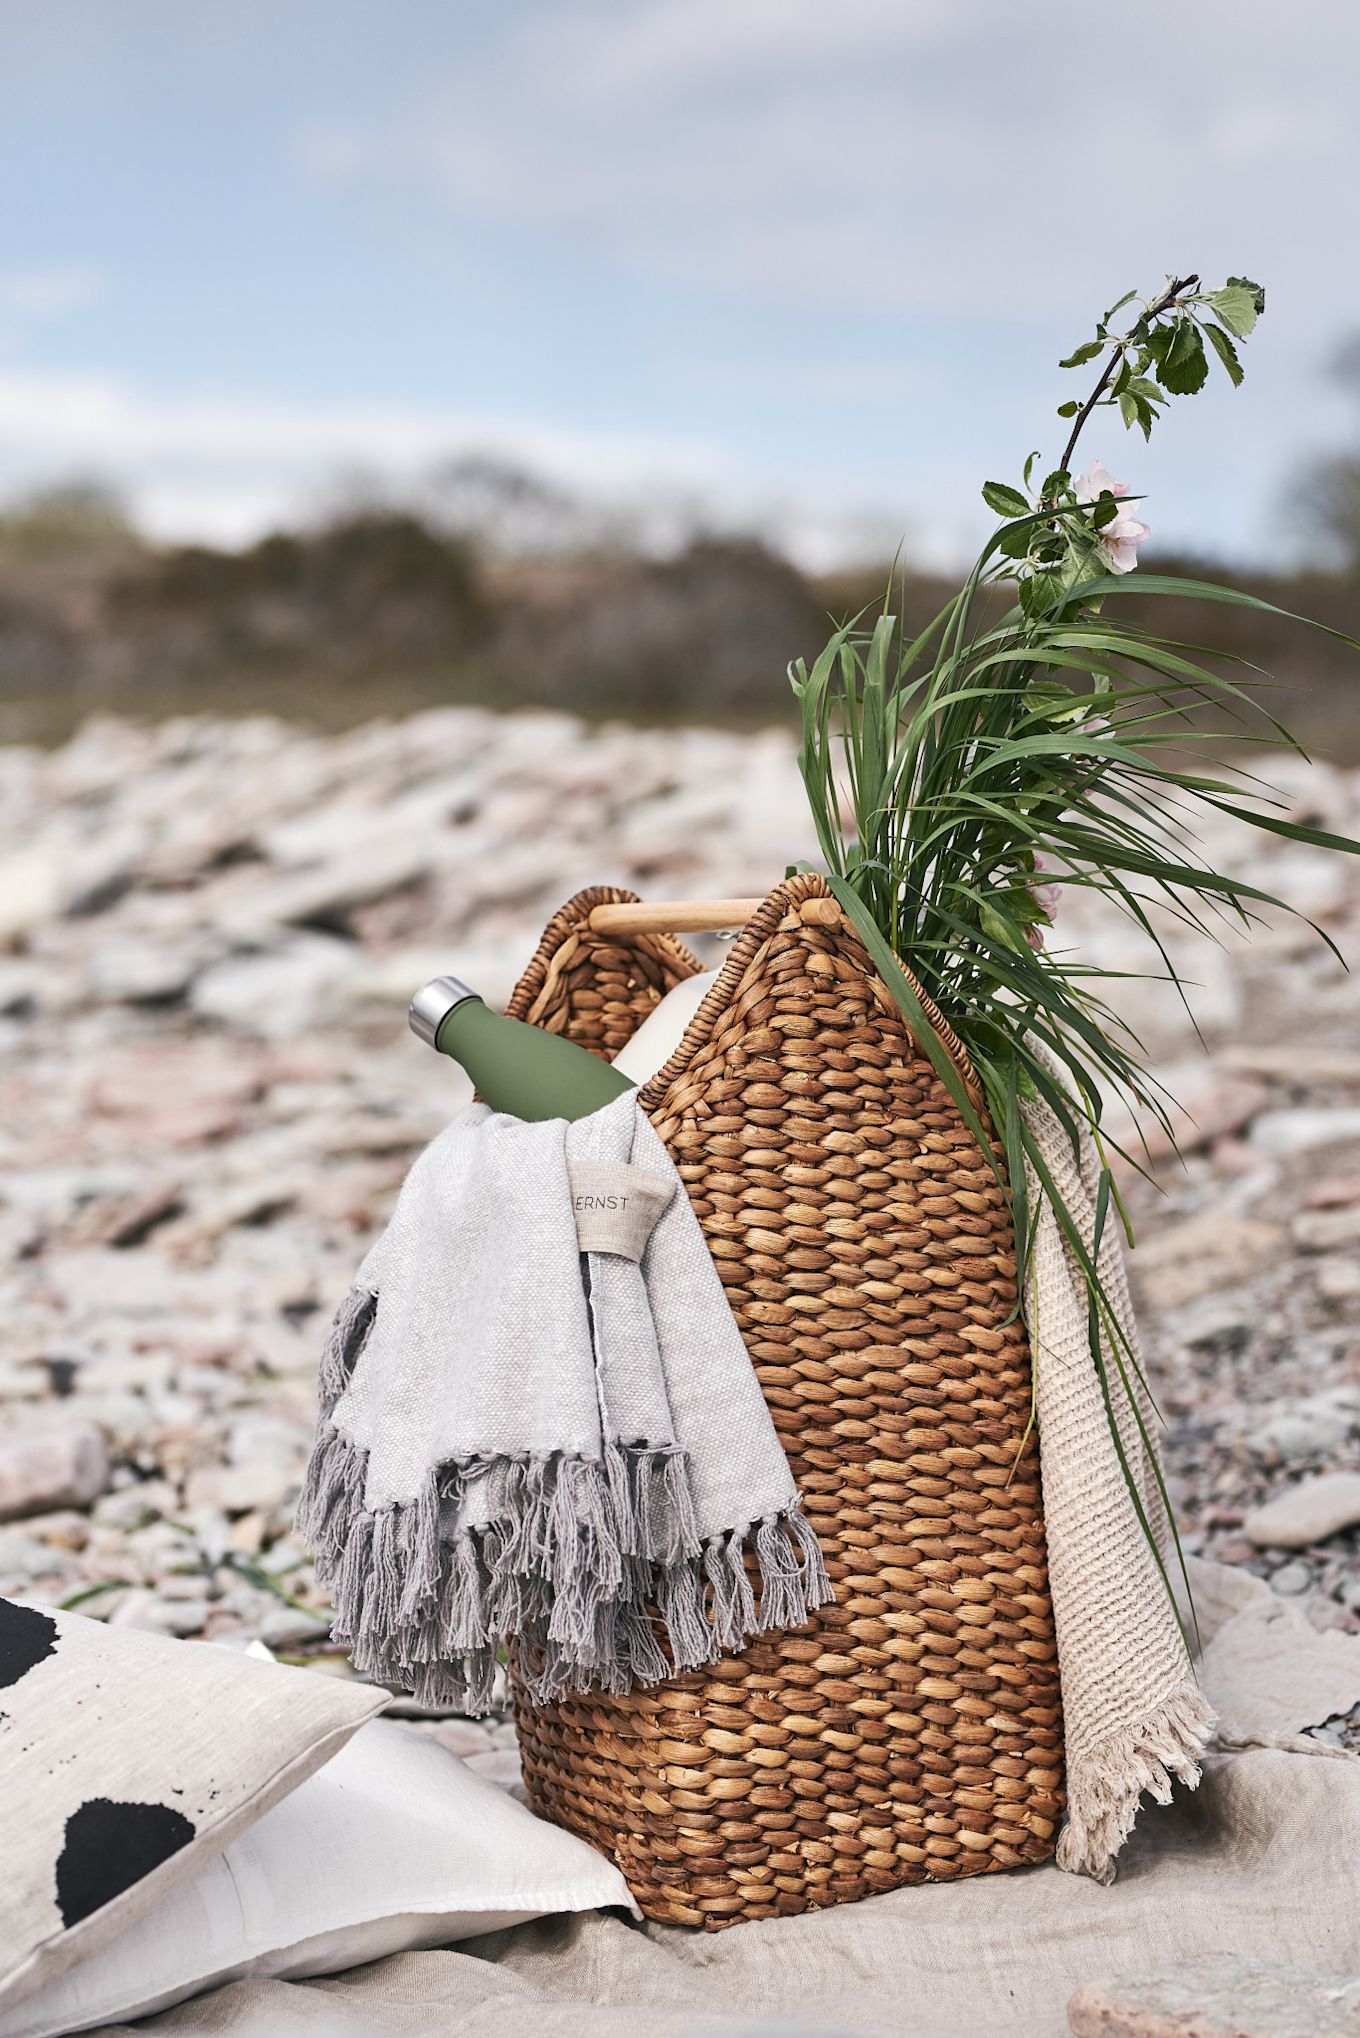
{"x": 583, "y": 1566}
{"x": 1106, "y": 1782}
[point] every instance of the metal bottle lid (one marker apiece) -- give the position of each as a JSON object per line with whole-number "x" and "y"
{"x": 432, "y": 1005}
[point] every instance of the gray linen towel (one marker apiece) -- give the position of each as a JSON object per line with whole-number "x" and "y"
{"x": 511, "y": 1453}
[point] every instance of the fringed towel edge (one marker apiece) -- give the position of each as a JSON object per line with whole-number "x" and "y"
{"x": 1108, "y": 1780}
{"x": 562, "y": 1570}
{"x": 554, "y": 1554}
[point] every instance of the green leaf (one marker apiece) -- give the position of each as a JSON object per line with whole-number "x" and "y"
{"x": 998, "y": 926}
{"x": 1007, "y": 502}
{"x": 1045, "y": 702}
{"x": 1069, "y": 409}
{"x": 1040, "y": 591}
{"x": 1149, "y": 391}
{"x": 1136, "y": 410}
{"x": 87, "y": 1592}
{"x": 1201, "y": 590}
{"x": 1239, "y": 304}
{"x": 1227, "y": 353}
{"x": 1015, "y": 541}
{"x": 1183, "y": 365}
{"x": 1087, "y": 351}
{"x": 1159, "y": 342}
{"x": 1127, "y": 298}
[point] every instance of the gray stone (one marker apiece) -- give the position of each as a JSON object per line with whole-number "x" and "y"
{"x": 1308, "y": 1429}
{"x": 499, "y": 1765}
{"x": 241, "y": 1489}
{"x": 287, "y": 1628}
{"x": 326, "y": 896}
{"x": 47, "y": 1465}
{"x": 1323, "y": 1231}
{"x": 30, "y": 892}
{"x": 132, "y": 973}
{"x": 1219, "y": 1996}
{"x": 277, "y": 992}
{"x": 1289, "y": 1132}
{"x": 1339, "y": 1279}
{"x": 1291, "y": 1579}
{"x": 1206, "y": 1252}
{"x": 1306, "y": 1513}
{"x": 461, "y": 1737}
{"x": 24, "y": 1558}
{"x": 146, "y": 1609}
{"x": 1209, "y": 1104}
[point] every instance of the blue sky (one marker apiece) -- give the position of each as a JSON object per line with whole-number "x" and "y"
{"x": 746, "y": 261}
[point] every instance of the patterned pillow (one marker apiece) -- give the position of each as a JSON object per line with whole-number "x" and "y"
{"x": 126, "y": 1762}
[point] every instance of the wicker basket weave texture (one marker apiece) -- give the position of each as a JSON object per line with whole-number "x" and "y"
{"x": 912, "y": 1731}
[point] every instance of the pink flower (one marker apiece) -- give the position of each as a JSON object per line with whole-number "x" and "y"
{"x": 1121, "y": 537}
{"x": 1046, "y": 899}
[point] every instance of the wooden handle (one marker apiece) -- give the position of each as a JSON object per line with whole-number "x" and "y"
{"x": 673, "y": 916}
{"x": 698, "y": 916}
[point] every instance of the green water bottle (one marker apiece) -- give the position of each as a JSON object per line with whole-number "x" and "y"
{"x": 516, "y": 1068}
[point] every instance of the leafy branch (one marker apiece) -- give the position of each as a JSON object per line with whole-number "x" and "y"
{"x": 959, "y": 777}
{"x": 1162, "y": 354}
{"x": 1074, "y": 528}
{"x": 1164, "y": 304}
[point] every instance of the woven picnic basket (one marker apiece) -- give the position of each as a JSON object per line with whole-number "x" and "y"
{"x": 912, "y": 1731}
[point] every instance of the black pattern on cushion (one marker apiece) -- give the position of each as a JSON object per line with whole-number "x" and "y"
{"x": 27, "y": 1638}
{"x": 127, "y": 1761}
{"x": 109, "y": 1846}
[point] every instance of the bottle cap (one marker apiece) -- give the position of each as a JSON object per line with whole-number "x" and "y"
{"x": 432, "y": 1005}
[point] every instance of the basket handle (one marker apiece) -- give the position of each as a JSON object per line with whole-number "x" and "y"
{"x": 695, "y": 916}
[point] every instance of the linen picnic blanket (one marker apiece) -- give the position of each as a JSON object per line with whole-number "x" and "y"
{"x": 1258, "y": 1866}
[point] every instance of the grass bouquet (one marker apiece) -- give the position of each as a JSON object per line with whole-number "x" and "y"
{"x": 1030, "y": 737}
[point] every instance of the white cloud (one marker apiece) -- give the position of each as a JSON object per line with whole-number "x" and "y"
{"x": 901, "y": 153}
{"x": 224, "y": 468}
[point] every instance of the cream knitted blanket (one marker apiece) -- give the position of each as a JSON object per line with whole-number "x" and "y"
{"x": 1134, "y": 1715}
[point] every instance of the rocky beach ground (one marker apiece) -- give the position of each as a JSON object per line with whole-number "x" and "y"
{"x": 209, "y": 930}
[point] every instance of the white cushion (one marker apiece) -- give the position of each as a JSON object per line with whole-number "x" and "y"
{"x": 661, "y": 1032}
{"x": 394, "y": 1844}
{"x": 127, "y": 1760}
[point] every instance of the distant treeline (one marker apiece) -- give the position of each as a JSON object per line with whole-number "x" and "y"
{"x": 382, "y": 610}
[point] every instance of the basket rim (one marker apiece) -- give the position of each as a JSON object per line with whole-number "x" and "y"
{"x": 792, "y": 892}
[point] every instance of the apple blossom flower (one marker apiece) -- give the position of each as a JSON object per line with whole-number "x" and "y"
{"x": 1120, "y": 538}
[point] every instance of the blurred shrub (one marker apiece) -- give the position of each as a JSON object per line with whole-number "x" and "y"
{"x": 79, "y": 520}
{"x": 385, "y": 608}
{"x": 376, "y": 582}
{"x": 704, "y": 634}
{"x": 1327, "y": 497}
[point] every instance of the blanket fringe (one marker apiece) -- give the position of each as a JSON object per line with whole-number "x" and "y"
{"x": 344, "y": 1344}
{"x": 1107, "y": 1781}
{"x": 575, "y": 1562}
